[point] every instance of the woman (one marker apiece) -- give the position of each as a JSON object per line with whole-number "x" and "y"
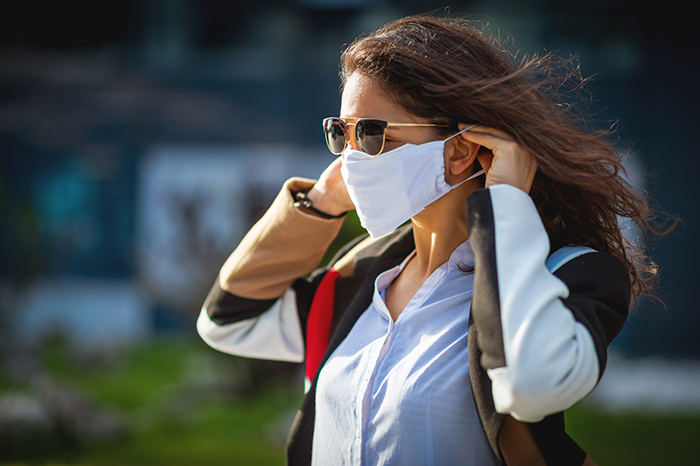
{"x": 461, "y": 337}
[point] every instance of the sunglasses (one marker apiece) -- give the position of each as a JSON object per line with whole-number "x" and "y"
{"x": 370, "y": 134}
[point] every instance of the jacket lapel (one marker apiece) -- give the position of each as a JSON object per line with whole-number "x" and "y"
{"x": 354, "y": 293}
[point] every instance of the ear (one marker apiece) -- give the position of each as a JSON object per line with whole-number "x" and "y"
{"x": 460, "y": 155}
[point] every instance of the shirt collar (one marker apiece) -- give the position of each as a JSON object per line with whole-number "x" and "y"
{"x": 461, "y": 257}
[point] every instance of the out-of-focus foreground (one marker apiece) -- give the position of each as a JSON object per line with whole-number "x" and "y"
{"x": 173, "y": 401}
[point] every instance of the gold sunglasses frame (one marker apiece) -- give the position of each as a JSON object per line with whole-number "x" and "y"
{"x": 353, "y": 121}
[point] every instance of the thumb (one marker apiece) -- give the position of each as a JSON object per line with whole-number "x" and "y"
{"x": 485, "y": 159}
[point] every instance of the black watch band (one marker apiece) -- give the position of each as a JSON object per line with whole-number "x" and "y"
{"x": 302, "y": 200}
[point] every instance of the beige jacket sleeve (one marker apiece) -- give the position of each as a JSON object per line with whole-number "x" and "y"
{"x": 285, "y": 244}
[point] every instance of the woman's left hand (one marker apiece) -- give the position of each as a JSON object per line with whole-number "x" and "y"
{"x": 508, "y": 162}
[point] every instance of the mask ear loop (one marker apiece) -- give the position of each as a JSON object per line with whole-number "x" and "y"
{"x": 480, "y": 172}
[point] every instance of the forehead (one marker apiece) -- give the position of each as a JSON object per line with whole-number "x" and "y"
{"x": 363, "y": 97}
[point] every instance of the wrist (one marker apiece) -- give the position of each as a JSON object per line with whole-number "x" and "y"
{"x": 324, "y": 202}
{"x": 303, "y": 200}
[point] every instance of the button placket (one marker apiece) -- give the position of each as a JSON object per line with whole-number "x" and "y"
{"x": 365, "y": 392}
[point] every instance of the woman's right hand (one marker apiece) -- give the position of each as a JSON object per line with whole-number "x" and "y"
{"x": 329, "y": 194}
{"x": 508, "y": 162}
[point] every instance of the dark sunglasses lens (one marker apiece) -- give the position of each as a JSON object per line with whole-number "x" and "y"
{"x": 370, "y": 135}
{"x": 334, "y": 129}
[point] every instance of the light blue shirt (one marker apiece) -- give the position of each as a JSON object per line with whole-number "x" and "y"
{"x": 398, "y": 393}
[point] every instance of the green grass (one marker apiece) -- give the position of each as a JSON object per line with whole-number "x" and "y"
{"x": 216, "y": 434}
{"x": 182, "y": 405}
{"x": 634, "y": 439}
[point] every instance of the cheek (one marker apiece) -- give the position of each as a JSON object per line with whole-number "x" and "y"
{"x": 392, "y": 144}
{"x": 413, "y": 135}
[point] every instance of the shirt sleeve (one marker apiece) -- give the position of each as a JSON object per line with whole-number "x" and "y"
{"x": 543, "y": 336}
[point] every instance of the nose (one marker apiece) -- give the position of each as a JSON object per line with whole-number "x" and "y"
{"x": 350, "y": 136}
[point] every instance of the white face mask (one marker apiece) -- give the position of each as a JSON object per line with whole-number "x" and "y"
{"x": 390, "y": 188}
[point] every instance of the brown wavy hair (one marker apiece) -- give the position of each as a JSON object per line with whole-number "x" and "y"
{"x": 452, "y": 70}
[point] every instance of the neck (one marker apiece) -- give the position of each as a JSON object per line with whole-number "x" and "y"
{"x": 438, "y": 230}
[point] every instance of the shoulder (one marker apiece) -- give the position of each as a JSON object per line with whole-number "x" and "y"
{"x": 601, "y": 269}
{"x": 599, "y": 290}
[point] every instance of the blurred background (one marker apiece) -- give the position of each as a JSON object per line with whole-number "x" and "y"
{"x": 140, "y": 139}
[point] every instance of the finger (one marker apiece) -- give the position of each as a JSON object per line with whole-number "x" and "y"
{"x": 489, "y": 141}
{"x": 487, "y": 130}
{"x": 485, "y": 159}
